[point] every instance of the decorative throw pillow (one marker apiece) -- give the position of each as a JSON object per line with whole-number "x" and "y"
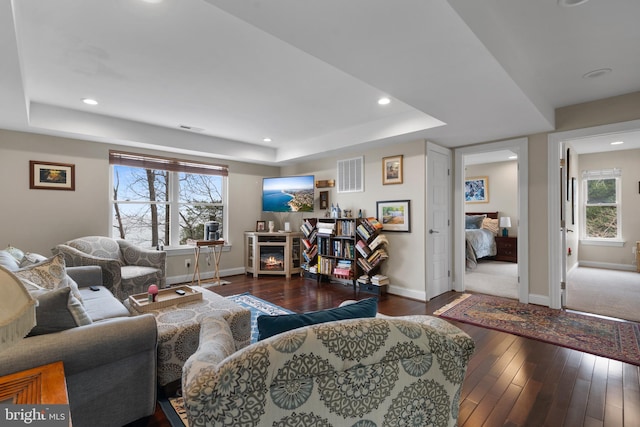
{"x": 50, "y": 274}
{"x": 491, "y": 225}
{"x": 57, "y": 310}
{"x": 273, "y": 325}
{"x": 474, "y": 222}
{"x": 31, "y": 259}
{"x": 15, "y": 252}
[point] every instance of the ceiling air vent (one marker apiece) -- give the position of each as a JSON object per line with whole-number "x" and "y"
{"x": 351, "y": 175}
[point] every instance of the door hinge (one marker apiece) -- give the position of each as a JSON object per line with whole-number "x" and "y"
{"x": 448, "y": 172}
{"x": 449, "y": 273}
{"x": 563, "y": 285}
{"x": 561, "y": 162}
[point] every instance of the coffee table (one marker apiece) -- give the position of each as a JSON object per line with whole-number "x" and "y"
{"x": 179, "y": 329}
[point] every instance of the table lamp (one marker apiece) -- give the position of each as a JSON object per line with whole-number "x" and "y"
{"x": 505, "y": 223}
{"x": 17, "y": 309}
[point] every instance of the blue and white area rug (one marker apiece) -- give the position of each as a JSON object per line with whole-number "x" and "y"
{"x": 173, "y": 407}
{"x": 257, "y": 307}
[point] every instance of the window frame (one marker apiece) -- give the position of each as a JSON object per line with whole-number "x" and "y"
{"x": 174, "y": 166}
{"x": 593, "y": 175}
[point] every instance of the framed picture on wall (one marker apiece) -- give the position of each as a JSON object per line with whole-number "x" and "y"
{"x": 392, "y": 170}
{"x": 52, "y": 176}
{"x": 476, "y": 189}
{"x": 395, "y": 215}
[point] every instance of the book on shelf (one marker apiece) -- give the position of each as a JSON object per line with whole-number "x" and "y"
{"x": 363, "y": 248}
{"x": 325, "y": 228}
{"x": 379, "y": 240}
{"x": 377, "y": 225}
{"x": 364, "y": 279}
{"x": 379, "y": 279}
{"x": 363, "y": 232}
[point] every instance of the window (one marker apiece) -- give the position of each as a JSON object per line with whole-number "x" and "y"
{"x": 601, "y": 195}
{"x": 162, "y": 201}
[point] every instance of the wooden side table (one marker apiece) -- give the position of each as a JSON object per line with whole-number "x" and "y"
{"x": 216, "y": 251}
{"x": 507, "y": 248}
{"x": 42, "y": 385}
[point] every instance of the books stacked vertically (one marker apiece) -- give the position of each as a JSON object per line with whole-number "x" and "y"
{"x": 379, "y": 279}
{"x": 345, "y": 228}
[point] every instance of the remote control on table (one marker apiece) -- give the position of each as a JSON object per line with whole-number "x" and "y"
{"x": 180, "y": 292}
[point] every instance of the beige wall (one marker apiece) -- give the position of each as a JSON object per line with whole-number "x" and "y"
{"x": 406, "y": 264}
{"x": 36, "y": 220}
{"x": 629, "y": 162}
{"x": 611, "y": 110}
{"x": 503, "y": 190}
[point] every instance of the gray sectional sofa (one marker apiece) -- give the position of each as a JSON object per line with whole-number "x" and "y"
{"x": 110, "y": 364}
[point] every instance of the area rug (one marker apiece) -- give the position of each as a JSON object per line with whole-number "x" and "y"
{"x": 619, "y": 340}
{"x": 173, "y": 407}
{"x": 257, "y": 307}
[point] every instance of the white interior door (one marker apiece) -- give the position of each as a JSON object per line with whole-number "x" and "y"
{"x": 438, "y": 220}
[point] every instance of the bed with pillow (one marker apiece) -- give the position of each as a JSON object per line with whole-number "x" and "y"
{"x": 480, "y": 232}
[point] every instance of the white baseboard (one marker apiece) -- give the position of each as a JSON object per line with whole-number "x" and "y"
{"x": 408, "y": 293}
{"x": 204, "y": 275}
{"x": 608, "y": 265}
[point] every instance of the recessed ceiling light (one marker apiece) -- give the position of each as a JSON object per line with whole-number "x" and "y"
{"x": 617, "y": 142}
{"x": 266, "y": 139}
{"x": 596, "y": 73}
{"x": 571, "y": 3}
{"x": 89, "y": 101}
{"x": 512, "y": 157}
{"x": 384, "y": 101}
{"x": 152, "y": 1}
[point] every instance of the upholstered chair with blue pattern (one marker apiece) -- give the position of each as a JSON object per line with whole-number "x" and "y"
{"x": 127, "y": 269}
{"x": 370, "y": 372}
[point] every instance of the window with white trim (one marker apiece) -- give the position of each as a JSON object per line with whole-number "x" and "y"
{"x": 164, "y": 201}
{"x": 601, "y": 204}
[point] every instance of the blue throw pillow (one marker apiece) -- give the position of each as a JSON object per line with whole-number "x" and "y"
{"x": 272, "y": 325}
{"x": 474, "y": 222}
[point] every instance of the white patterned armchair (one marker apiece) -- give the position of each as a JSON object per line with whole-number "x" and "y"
{"x": 371, "y": 372}
{"x": 127, "y": 269}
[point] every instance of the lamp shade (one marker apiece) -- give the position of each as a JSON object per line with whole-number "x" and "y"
{"x": 505, "y": 221}
{"x": 17, "y": 309}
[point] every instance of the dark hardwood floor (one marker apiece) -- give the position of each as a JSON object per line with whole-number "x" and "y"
{"x": 511, "y": 381}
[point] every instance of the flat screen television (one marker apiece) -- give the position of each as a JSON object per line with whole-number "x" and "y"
{"x": 288, "y": 194}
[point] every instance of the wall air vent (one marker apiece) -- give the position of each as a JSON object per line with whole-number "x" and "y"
{"x": 191, "y": 128}
{"x": 351, "y": 175}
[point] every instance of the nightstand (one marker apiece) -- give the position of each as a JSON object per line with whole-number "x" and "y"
{"x": 507, "y": 249}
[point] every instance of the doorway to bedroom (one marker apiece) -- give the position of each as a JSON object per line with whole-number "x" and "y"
{"x": 491, "y": 237}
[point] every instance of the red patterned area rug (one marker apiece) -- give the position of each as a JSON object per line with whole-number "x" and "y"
{"x": 614, "y": 339}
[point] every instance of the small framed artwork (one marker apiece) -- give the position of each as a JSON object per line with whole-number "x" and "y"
{"x": 52, "y": 176}
{"x": 395, "y": 215}
{"x": 574, "y": 200}
{"x": 324, "y": 200}
{"x": 392, "y": 170}
{"x": 476, "y": 189}
{"x": 261, "y": 225}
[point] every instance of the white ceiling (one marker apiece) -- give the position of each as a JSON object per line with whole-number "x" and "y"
{"x": 306, "y": 74}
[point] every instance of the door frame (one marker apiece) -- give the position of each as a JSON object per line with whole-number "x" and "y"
{"x": 554, "y": 154}
{"x": 520, "y": 146}
{"x": 428, "y": 249}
